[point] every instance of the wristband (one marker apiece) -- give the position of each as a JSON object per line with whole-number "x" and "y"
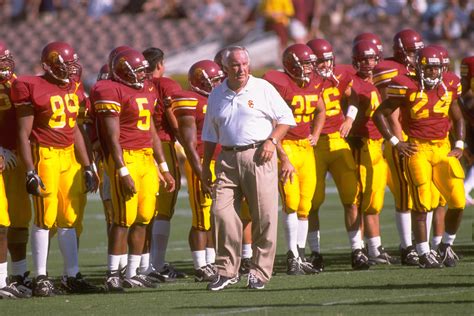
{"x": 459, "y": 144}
{"x": 163, "y": 167}
{"x": 94, "y": 167}
{"x": 394, "y": 140}
{"x": 352, "y": 112}
{"x": 123, "y": 172}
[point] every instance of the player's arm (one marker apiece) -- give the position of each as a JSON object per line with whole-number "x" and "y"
{"x": 25, "y": 118}
{"x": 318, "y": 122}
{"x": 188, "y": 134}
{"x": 352, "y": 109}
{"x": 83, "y": 153}
{"x": 173, "y": 122}
{"x": 380, "y": 118}
{"x": 206, "y": 180}
{"x": 287, "y": 170}
{"x": 459, "y": 129}
{"x": 160, "y": 159}
{"x": 112, "y": 136}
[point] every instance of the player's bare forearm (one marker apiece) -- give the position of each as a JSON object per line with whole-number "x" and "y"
{"x": 458, "y": 121}
{"x": 112, "y": 135}
{"x": 25, "y": 124}
{"x": 188, "y": 134}
{"x": 83, "y": 153}
{"x": 380, "y": 118}
{"x": 209, "y": 148}
{"x": 158, "y": 153}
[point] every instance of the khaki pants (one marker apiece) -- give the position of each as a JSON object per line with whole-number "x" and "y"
{"x": 238, "y": 175}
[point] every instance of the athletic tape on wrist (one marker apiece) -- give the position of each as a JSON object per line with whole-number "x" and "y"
{"x": 123, "y": 172}
{"x": 394, "y": 140}
{"x": 164, "y": 167}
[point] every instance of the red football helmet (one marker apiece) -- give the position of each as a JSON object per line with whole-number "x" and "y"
{"x": 325, "y": 59}
{"x": 374, "y": 38}
{"x": 405, "y": 45}
{"x": 365, "y": 56}
{"x": 61, "y": 62}
{"x": 7, "y": 65}
{"x": 104, "y": 73}
{"x": 114, "y": 52}
{"x": 129, "y": 67}
{"x": 429, "y": 67}
{"x": 444, "y": 54}
{"x": 204, "y": 75}
{"x": 298, "y": 60}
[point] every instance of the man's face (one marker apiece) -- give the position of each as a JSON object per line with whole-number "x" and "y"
{"x": 238, "y": 68}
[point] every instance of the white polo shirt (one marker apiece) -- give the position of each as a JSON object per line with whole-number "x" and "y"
{"x": 244, "y": 118}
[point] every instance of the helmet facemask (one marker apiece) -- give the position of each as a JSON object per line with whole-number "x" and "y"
{"x": 7, "y": 67}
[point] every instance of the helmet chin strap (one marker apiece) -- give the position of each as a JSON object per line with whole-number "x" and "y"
{"x": 47, "y": 68}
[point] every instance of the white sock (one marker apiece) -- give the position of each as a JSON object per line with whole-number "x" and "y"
{"x": 133, "y": 264}
{"x": 435, "y": 241}
{"x": 159, "y": 243}
{"x": 403, "y": 220}
{"x": 144, "y": 263}
{"x": 210, "y": 255}
{"x": 290, "y": 222}
{"x": 247, "y": 251}
{"x": 199, "y": 258}
{"x": 355, "y": 239}
{"x": 448, "y": 239}
{"x": 314, "y": 241}
{"x": 429, "y": 220}
{"x": 302, "y": 233}
{"x": 422, "y": 248}
{"x": 39, "y": 249}
{"x": 3, "y": 274}
{"x": 123, "y": 261}
{"x": 67, "y": 240}
{"x": 113, "y": 262}
{"x": 374, "y": 243}
{"x": 19, "y": 267}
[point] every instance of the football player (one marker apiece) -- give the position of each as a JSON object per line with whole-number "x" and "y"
{"x": 427, "y": 104}
{"x": 125, "y": 106}
{"x": 299, "y": 88}
{"x": 333, "y": 153}
{"x": 166, "y": 126}
{"x": 190, "y": 108}
{"x": 367, "y": 148}
{"x": 406, "y": 44}
{"x": 15, "y": 209}
{"x": 59, "y": 173}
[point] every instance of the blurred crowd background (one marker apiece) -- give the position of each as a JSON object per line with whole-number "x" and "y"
{"x": 189, "y": 30}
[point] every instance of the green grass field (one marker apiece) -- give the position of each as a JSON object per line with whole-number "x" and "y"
{"x": 338, "y": 290}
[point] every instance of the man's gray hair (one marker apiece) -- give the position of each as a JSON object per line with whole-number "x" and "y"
{"x": 229, "y": 50}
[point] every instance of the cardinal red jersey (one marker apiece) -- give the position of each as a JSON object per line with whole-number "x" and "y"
{"x": 190, "y": 103}
{"x": 333, "y": 90}
{"x": 302, "y": 101}
{"x": 55, "y": 108}
{"x": 369, "y": 101}
{"x": 452, "y": 82}
{"x": 134, "y": 107}
{"x": 346, "y": 68}
{"x": 386, "y": 70}
{"x": 424, "y": 112}
{"x": 467, "y": 73}
{"x": 8, "y": 125}
{"x": 165, "y": 88}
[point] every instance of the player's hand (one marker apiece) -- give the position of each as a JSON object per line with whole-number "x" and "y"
{"x": 128, "y": 186}
{"x": 265, "y": 153}
{"x": 10, "y": 161}
{"x": 206, "y": 182}
{"x": 34, "y": 183}
{"x": 91, "y": 178}
{"x": 168, "y": 181}
{"x": 406, "y": 149}
{"x": 456, "y": 152}
{"x": 313, "y": 140}
{"x": 287, "y": 171}
{"x": 346, "y": 127}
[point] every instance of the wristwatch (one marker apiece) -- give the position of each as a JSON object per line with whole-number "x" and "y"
{"x": 273, "y": 140}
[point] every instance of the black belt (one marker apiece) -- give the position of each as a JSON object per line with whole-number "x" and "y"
{"x": 242, "y": 148}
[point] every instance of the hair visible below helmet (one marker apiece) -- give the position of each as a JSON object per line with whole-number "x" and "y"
{"x": 371, "y": 37}
{"x": 154, "y": 56}
{"x": 129, "y": 67}
{"x": 204, "y": 75}
{"x": 323, "y": 51}
{"x": 406, "y": 41}
{"x": 361, "y": 51}
{"x": 429, "y": 57}
{"x": 444, "y": 55}
{"x": 60, "y": 61}
{"x": 7, "y": 65}
{"x": 104, "y": 73}
{"x": 298, "y": 60}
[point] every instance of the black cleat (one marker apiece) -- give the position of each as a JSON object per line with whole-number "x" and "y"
{"x": 113, "y": 282}
{"x": 409, "y": 256}
{"x": 78, "y": 285}
{"x": 293, "y": 265}
{"x": 220, "y": 283}
{"x": 23, "y": 283}
{"x": 139, "y": 280}
{"x": 317, "y": 261}
{"x": 43, "y": 287}
{"x": 429, "y": 261}
{"x": 447, "y": 256}
{"x": 359, "y": 260}
{"x": 382, "y": 258}
{"x": 168, "y": 271}
{"x": 205, "y": 274}
{"x": 245, "y": 265}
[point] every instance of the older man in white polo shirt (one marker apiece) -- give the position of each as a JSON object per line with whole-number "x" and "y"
{"x": 247, "y": 117}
